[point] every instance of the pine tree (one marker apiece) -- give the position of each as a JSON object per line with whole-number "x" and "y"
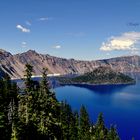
{"x": 112, "y": 134}
{"x": 14, "y": 111}
{"x": 67, "y": 121}
{"x": 28, "y": 78}
{"x": 4, "y": 122}
{"x": 26, "y": 115}
{"x": 100, "y": 130}
{"x": 8, "y": 108}
{"x": 6, "y": 99}
{"x": 84, "y": 124}
{"x": 100, "y": 122}
{"x": 75, "y": 126}
{"x": 44, "y": 81}
{"x": 47, "y": 110}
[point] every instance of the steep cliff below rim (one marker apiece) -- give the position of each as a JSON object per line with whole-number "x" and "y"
{"x": 14, "y": 64}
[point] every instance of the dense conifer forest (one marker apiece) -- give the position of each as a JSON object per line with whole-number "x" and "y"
{"x": 99, "y": 76}
{"x": 35, "y": 114}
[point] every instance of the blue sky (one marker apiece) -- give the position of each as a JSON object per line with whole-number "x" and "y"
{"x": 80, "y": 29}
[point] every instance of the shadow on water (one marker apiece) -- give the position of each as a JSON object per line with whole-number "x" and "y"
{"x": 102, "y": 89}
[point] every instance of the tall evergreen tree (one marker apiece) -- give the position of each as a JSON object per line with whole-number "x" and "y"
{"x": 26, "y": 109}
{"x": 75, "y": 126}
{"x": 28, "y": 78}
{"x": 8, "y": 107}
{"x": 66, "y": 120}
{"x": 44, "y": 81}
{"x": 100, "y": 130}
{"x": 112, "y": 134}
{"x": 48, "y": 110}
{"x": 4, "y": 121}
{"x": 14, "y": 111}
{"x": 84, "y": 124}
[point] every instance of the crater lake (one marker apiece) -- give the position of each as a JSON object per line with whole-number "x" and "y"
{"x": 120, "y": 105}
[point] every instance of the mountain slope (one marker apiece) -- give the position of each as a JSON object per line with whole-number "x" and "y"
{"x": 14, "y": 64}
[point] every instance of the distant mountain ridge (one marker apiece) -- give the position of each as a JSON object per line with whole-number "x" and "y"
{"x": 14, "y": 64}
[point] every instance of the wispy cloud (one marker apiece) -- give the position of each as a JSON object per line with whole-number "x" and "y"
{"x": 57, "y": 47}
{"x": 28, "y": 23}
{"x": 126, "y": 41}
{"x": 22, "y": 29}
{"x": 45, "y": 18}
{"x": 23, "y": 44}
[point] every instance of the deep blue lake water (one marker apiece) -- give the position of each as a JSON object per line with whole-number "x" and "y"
{"x": 120, "y": 105}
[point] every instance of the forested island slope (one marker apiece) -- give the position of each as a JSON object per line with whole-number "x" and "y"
{"x": 101, "y": 75}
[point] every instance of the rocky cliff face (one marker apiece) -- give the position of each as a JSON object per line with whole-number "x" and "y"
{"x": 14, "y": 64}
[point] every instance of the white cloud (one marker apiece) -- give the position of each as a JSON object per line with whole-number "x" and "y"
{"x": 22, "y": 29}
{"x": 23, "y": 44}
{"x": 127, "y": 41}
{"x": 57, "y": 47}
{"x": 45, "y": 18}
{"x": 28, "y": 23}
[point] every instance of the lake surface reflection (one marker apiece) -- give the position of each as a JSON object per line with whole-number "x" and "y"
{"x": 120, "y": 105}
